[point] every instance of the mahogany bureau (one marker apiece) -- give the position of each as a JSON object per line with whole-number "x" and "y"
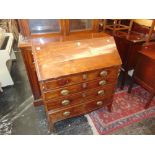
{"x": 25, "y": 45}
{"x": 76, "y": 77}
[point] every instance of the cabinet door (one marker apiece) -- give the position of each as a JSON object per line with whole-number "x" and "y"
{"x": 33, "y": 27}
{"x": 80, "y": 24}
{"x": 44, "y": 26}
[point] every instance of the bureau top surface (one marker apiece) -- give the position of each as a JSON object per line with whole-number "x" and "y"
{"x": 57, "y": 59}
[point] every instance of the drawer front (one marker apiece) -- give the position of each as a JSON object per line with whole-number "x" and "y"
{"x": 78, "y": 109}
{"x": 104, "y": 92}
{"x": 78, "y": 78}
{"x": 76, "y": 88}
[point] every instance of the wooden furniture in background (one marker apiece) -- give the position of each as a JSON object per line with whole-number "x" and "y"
{"x": 81, "y": 25}
{"x": 144, "y": 73}
{"x": 26, "y": 49}
{"x": 76, "y": 77}
{"x": 128, "y": 45}
{"x": 52, "y": 27}
{"x": 116, "y": 25}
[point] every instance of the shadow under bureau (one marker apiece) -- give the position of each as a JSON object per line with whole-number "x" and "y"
{"x": 76, "y": 77}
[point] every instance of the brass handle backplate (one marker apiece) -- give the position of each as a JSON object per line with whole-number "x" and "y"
{"x": 100, "y": 92}
{"x": 65, "y": 102}
{"x": 84, "y": 85}
{"x": 64, "y": 92}
{"x": 103, "y": 73}
{"x": 84, "y": 76}
{"x": 66, "y": 113}
{"x": 99, "y": 102}
{"x": 101, "y": 83}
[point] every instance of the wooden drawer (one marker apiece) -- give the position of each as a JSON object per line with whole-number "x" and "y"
{"x": 104, "y": 91}
{"x": 81, "y": 77}
{"x": 66, "y": 91}
{"x": 79, "y": 109}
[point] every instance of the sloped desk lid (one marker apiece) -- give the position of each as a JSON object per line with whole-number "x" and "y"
{"x": 59, "y": 59}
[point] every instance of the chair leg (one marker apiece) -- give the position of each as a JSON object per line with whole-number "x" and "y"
{"x": 124, "y": 76}
{"x": 149, "y": 101}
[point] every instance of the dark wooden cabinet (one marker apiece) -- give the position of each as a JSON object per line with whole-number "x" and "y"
{"x": 31, "y": 72}
{"x": 144, "y": 73}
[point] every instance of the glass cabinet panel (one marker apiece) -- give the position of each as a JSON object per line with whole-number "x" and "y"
{"x": 80, "y": 24}
{"x": 44, "y": 25}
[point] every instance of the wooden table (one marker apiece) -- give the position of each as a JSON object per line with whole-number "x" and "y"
{"x": 144, "y": 73}
{"x": 128, "y": 46}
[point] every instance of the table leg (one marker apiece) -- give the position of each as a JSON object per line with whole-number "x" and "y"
{"x": 149, "y": 101}
{"x": 124, "y": 76}
{"x": 110, "y": 107}
{"x": 131, "y": 85}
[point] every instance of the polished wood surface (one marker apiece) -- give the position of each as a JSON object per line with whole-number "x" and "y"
{"x": 144, "y": 73}
{"x": 78, "y": 109}
{"x": 78, "y": 78}
{"x": 76, "y": 73}
{"x": 61, "y": 59}
{"x": 106, "y": 91}
{"x": 71, "y": 73}
{"x": 128, "y": 45}
{"x": 75, "y": 88}
{"x": 26, "y": 49}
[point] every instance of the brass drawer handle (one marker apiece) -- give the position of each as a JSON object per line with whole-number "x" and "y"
{"x": 99, "y": 103}
{"x": 84, "y": 76}
{"x": 65, "y": 102}
{"x": 64, "y": 92}
{"x": 103, "y": 73}
{"x": 102, "y": 83}
{"x": 66, "y": 113}
{"x": 100, "y": 92}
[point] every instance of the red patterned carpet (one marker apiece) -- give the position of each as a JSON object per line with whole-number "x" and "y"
{"x": 127, "y": 109}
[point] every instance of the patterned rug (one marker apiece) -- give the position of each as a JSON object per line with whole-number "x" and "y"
{"x": 126, "y": 109}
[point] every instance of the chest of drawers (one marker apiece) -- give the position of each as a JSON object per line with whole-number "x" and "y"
{"x": 76, "y": 77}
